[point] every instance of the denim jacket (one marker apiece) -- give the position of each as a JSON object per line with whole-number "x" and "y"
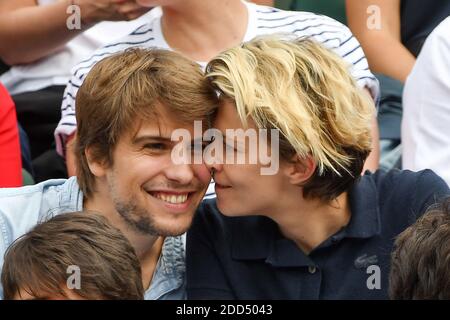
{"x": 22, "y": 208}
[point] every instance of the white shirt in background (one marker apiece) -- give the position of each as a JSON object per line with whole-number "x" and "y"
{"x": 426, "y": 107}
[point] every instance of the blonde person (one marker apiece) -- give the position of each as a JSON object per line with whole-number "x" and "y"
{"x": 314, "y": 228}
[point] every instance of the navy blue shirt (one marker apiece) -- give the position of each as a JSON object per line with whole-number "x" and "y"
{"x": 248, "y": 258}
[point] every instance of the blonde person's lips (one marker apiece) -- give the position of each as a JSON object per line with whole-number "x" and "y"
{"x": 219, "y": 186}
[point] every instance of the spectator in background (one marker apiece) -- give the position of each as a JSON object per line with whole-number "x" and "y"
{"x": 392, "y": 33}
{"x": 41, "y": 50}
{"x": 44, "y": 262}
{"x": 420, "y": 266}
{"x": 404, "y": 25}
{"x": 196, "y": 29}
{"x": 10, "y": 156}
{"x": 426, "y": 100}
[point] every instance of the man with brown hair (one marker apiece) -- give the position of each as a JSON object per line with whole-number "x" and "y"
{"x": 78, "y": 245}
{"x": 420, "y": 265}
{"x": 127, "y": 108}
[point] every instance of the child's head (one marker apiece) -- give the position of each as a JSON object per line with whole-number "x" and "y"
{"x": 72, "y": 256}
{"x": 420, "y": 267}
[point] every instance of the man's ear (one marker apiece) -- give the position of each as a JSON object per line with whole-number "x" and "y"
{"x": 97, "y": 168}
{"x": 299, "y": 170}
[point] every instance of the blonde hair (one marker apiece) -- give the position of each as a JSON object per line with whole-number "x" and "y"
{"x": 305, "y": 91}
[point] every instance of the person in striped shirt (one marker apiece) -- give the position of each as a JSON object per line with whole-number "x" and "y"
{"x": 201, "y": 29}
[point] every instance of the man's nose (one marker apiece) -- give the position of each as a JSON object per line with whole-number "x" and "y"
{"x": 181, "y": 173}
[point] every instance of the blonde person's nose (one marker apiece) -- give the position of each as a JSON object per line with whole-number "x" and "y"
{"x": 214, "y": 167}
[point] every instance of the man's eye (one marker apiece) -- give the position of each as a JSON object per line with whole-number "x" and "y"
{"x": 155, "y": 146}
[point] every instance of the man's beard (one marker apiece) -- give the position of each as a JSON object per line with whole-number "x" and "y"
{"x": 142, "y": 221}
{"x": 137, "y": 218}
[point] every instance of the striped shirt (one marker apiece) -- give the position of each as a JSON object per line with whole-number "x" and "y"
{"x": 262, "y": 20}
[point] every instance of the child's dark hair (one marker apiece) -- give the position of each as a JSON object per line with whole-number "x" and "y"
{"x": 420, "y": 267}
{"x": 38, "y": 262}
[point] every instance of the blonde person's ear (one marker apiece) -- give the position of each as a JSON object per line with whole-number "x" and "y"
{"x": 300, "y": 169}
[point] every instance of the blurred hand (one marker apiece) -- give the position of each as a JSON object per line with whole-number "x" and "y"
{"x": 94, "y": 11}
